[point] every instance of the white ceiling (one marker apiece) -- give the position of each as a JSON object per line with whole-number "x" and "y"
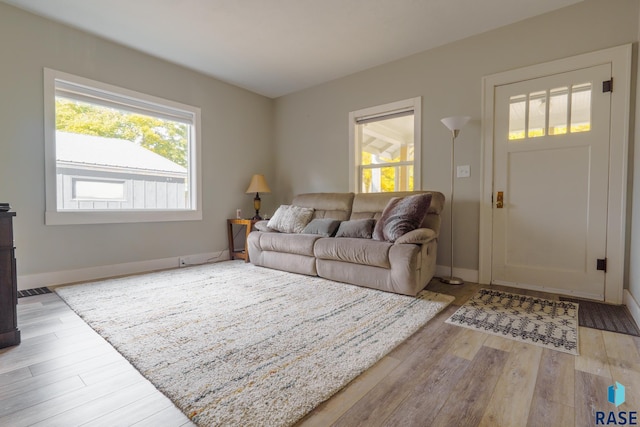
{"x": 275, "y": 47}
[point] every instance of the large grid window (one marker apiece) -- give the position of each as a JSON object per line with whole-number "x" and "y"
{"x": 385, "y": 147}
{"x": 114, "y": 155}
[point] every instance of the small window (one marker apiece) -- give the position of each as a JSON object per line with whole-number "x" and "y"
{"x": 114, "y": 155}
{"x": 385, "y": 147}
{"x": 84, "y": 189}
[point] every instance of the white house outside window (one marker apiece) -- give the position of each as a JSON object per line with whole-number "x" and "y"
{"x": 114, "y": 155}
{"x": 385, "y": 147}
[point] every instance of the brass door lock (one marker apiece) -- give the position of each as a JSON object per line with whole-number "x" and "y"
{"x": 500, "y": 200}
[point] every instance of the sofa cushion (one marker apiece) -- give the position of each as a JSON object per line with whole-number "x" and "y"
{"x": 325, "y": 227}
{"x": 401, "y": 215}
{"x": 358, "y": 228}
{"x": 326, "y": 205}
{"x": 290, "y": 219}
{"x": 354, "y": 250}
{"x": 299, "y": 244}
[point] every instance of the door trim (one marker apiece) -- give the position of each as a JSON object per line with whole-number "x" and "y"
{"x": 620, "y": 59}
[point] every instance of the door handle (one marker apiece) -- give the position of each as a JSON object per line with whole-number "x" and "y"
{"x": 500, "y": 200}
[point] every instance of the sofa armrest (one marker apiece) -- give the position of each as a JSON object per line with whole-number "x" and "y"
{"x": 262, "y": 226}
{"x": 418, "y": 236}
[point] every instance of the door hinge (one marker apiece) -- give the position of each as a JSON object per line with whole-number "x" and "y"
{"x": 602, "y": 264}
{"x": 607, "y": 86}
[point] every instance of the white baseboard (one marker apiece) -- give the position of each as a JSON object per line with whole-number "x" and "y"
{"x": 632, "y": 305}
{"x": 30, "y": 281}
{"x": 463, "y": 273}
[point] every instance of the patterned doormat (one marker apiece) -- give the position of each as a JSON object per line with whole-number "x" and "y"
{"x": 32, "y": 292}
{"x": 605, "y": 317}
{"x": 538, "y": 321}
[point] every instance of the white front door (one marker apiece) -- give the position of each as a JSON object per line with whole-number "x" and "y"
{"x": 551, "y": 166}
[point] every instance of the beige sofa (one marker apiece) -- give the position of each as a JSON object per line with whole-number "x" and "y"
{"x": 403, "y": 268}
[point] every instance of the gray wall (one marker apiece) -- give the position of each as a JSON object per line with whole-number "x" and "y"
{"x": 311, "y": 127}
{"x": 237, "y": 141}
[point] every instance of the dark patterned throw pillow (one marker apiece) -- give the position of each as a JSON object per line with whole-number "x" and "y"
{"x": 401, "y": 215}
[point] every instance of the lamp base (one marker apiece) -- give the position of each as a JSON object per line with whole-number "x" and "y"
{"x": 452, "y": 280}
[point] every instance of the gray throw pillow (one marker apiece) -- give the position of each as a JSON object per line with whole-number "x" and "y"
{"x": 401, "y": 215}
{"x": 323, "y": 226}
{"x": 290, "y": 219}
{"x": 360, "y": 228}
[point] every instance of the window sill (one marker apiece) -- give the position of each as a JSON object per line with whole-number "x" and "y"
{"x": 110, "y": 217}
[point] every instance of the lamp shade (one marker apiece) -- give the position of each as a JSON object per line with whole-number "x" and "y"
{"x": 455, "y": 122}
{"x": 258, "y": 185}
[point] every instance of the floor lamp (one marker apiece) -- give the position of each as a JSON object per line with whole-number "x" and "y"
{"x": 454, "y": 124}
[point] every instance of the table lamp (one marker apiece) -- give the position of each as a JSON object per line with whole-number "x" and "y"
{"x": 258, "y": 185}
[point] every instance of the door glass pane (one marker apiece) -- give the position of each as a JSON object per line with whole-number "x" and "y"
{"x": 581, "y": 108}
{"x": 558, "y": 110}
{"x": 537, "y": 114}
{"x": 517, "y": 112}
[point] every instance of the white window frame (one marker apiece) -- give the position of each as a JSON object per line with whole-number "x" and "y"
{"x": 53, "y": 216}
{"x": 414, "y": 104}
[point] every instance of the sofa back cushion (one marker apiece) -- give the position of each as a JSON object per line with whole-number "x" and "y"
{"x": 371, "y": 205}
{"x": 326, "y": 205}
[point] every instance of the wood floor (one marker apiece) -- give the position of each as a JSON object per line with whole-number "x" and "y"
{"x": 64, "y": 374}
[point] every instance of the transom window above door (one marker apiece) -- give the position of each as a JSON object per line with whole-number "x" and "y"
{"x": 555, "y": 111}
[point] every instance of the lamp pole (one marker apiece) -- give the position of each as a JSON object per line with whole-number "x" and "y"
{"x": 454, "y": 124}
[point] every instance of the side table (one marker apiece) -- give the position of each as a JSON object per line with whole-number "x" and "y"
{"x": 248, "y": 224}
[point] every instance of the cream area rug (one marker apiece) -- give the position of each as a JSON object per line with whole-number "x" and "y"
{"x": 546, "y": 323}
{"x": 234, "y": 344}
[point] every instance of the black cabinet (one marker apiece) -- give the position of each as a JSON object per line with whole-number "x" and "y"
{"x": 9, "y": 333}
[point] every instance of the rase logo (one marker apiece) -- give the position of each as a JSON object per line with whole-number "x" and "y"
{"x": 616, "y": 396}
